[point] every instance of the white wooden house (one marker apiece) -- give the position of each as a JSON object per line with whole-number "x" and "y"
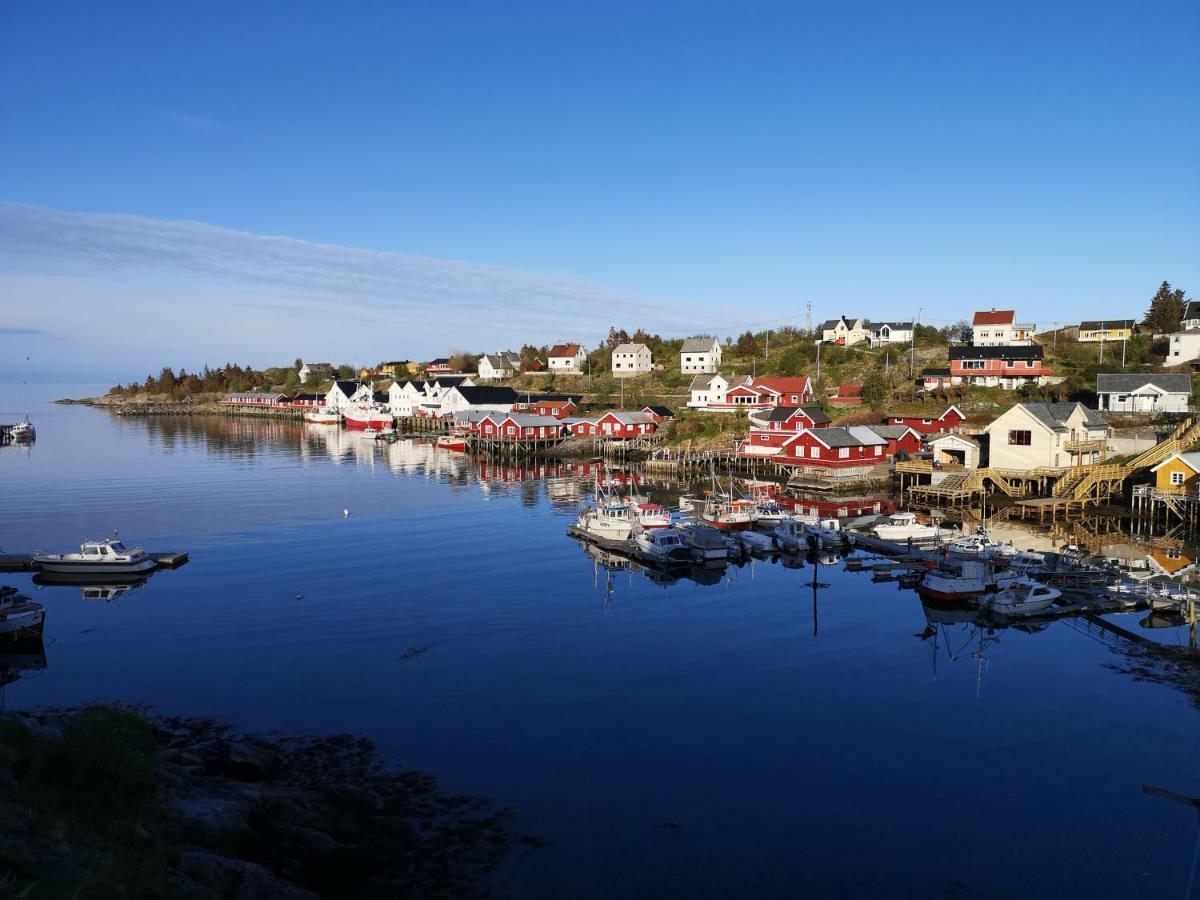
{"x": 321, "y": 369}
{"x": 844, "y": 331}
{"x": 631, "y": 359}
{"x": 950, "y": 449}
{"x": 404, "y": 397}
{"x": 1182, "y": 347}
{"x": 1171, "y": 393}
{"x": 496, "y": 366}
{"x": 708, "y": 391}
{"x": 1057, "y": 435}
{"x": 700, "y": 355}
{"x": 343, "y": 395}
{"x": 569, "y": 359}
{"x": 1190, "y": 320}
{"x": 891, "y": 333}
{"x": 492, "y": 398}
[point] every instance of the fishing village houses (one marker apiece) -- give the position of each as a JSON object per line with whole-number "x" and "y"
{"x": 700, "y": 356}
{"x": 631, "y": 359}
{"x": 567, "y": 359}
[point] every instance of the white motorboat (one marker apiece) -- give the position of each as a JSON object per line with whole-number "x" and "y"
{"x": 322, "y": 416}
{"x": 19, "y": 616}
{"x": 651, "y": 515}
{"x": 825, "y": 531}
{"x": 768, "y": 512}
{"x": 791, "y": 534}
{"x": 904, "y": 526}
{"x": 109, "y": 557}
{"x": 707, "y": 544}
{"x": 755, "y": 542}
{"x": 973, "y": 546}
{"x": 662, "y": 545}
{"x": 1021, "y": 597}
{"x": 963, "y": 579}
{"x": 24, "y": 430}
{"x": 610, "y": 521}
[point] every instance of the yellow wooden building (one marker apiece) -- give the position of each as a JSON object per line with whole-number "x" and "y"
{"x": 1106, "y": 330}
{"x": 1178, "y": 474}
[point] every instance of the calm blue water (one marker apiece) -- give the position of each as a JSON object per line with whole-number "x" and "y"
{"x": 678, "y": 740}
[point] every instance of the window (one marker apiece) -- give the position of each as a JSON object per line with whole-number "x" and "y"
{"x": 1020, "y": 438}
{"x": 1176, "y": 478}
{"x": 878, "y": 450}
{"x": 765, "y": 437}
{"x": 972, "y": 364}
{"x": 926, "y": 421}
{"x": 844, "y": 453}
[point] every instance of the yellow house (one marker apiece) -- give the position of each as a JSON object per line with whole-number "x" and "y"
{"x": 398, "y": 369}
{"x": 1178, "y": 474}
{"x": 1106, "y": 330}
{"x": 1172, "y": 560}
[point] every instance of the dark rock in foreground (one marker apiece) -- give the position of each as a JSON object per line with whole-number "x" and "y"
{"x": 108, "y": 802}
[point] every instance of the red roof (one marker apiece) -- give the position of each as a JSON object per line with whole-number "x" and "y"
{"x": 849, "y": 390}
{"x": 564, "y": 350}
{"x": 994, "y": 317}
{"x": 783, "y": 385}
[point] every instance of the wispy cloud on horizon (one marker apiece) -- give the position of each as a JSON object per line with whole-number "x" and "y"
{"x": 374, "y": 302}
{"x": 21, "y": 331}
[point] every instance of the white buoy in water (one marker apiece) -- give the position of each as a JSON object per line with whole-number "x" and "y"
{"x": 345, "y": 513}
{"x": 299, "y": 596}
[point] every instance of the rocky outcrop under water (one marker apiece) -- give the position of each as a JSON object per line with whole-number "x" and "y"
{"x": 107, "y": 801}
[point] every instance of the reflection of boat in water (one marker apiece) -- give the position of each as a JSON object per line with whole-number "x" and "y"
{"x": 19, "y": 657}
{"x": 108, "y": 557}
{"x": 20, "y": 617}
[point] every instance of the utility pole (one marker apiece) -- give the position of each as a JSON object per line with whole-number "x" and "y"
{"x": 818, "y": 363}
{"x": 1122, "y": 355}
{"x": 809, "y": 329}
{"x": 1102, "y": 347}
{"x": 767, "y": 355}
{"x": 912, "y": 360}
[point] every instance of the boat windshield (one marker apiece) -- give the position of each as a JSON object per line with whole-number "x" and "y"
{"x": 117, "y": 547}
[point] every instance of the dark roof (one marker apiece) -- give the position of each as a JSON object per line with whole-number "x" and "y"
{"x": 936, "y": 373}
{"x": 968, "y": 351}
{"x": 448, "y": 380}
{"x": 661, "y": 410}
{"x": 305, "y": 396}
{"x": 1055, "y": 415}
{"x": 1102, "y": 324}
{"x": 815, "y": 414}
{"x": 379, "y": 396}
{"x": 440, "y": 361}
{"x": 347, "y": 387}
{"x": 1172, "y": 384}
{"x": 1191, "y": 310}
{"x": 488, "y": 394}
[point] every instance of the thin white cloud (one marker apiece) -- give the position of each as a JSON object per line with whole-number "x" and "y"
{"x": 371, "y": 302}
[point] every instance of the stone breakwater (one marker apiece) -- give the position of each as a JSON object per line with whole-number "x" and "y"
{"x": 190, "y": 808}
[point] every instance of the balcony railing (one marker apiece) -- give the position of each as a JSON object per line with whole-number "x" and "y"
{"x": 1085, "y": 446}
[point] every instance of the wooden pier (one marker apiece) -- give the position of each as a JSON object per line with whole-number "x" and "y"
{"x": 23, "y": 562}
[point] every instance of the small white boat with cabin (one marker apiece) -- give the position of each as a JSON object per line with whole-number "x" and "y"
{"x": 662, "y": 545}
{"x": 610, "y": 521}
{"x": 651, "y": 515}
{"x": 973, "y": 546}
{"x": 23, "y": 430}
{"x": 825, "y": 531}
{"x": 791, "y": 534}
{"x": 19, "y": 616}
{"x": 1021, "y": 597}
{"x": 904, "y": 526}
{"x": 768, "y": 512}
{"x": 108, "y": 557}
{"x": 963, "y": 579}
{"x": 322, "y": 416}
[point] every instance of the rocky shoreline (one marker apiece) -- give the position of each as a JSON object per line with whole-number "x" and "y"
{"x": 110, "y": 801}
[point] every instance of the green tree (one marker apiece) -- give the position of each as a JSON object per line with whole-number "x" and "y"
{"x": 875, "y": 390}
{"x": 1166, "y": 310}
{"x": 747, "y": 345}
{"x": 346, "y": 372}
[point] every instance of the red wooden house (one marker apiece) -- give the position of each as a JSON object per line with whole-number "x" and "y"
{"x": 658, "y": 413}
{"x": 835, "y": 448}
{"x": 306, "y": 400}
{"x": 255, "y": 398}
{"x": 556, "y": 409}
{"x": 519, "y": 427}
{"x": 951, "y": 418}
{"x": 616, "y": 424}
{"x": 768, "y": 391}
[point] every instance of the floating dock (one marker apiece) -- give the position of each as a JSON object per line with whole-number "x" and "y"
{"x": 23, "y": 562}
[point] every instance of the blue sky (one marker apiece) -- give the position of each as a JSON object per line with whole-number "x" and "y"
{"x": 721, "y": 164}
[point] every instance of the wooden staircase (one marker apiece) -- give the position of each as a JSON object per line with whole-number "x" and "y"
{"x": 1102, "y": 481}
